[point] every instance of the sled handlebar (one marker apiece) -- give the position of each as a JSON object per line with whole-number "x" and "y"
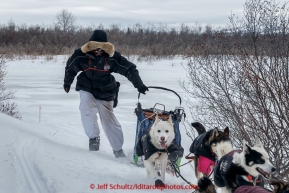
{"x": 162, "y": 88}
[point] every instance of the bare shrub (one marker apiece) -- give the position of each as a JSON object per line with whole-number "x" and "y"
{"x": 6, "y": 95}
{"x": 247, "y": 88}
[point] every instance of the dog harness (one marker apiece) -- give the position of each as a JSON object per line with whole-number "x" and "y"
{"x": 146, "y": 148}
{"x": 198, "y": 147}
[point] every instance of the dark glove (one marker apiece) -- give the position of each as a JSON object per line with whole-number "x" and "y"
{"x": 142, "y": 89}
{"x": 115, "y": 101}
{"x": 66, "y": 87}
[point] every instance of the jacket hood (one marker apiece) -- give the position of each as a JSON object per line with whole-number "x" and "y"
{"x": 93, "y": 45}
{"x": 98, "y": 36}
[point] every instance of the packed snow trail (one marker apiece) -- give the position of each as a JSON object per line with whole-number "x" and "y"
{"x": 25, "y": 156}
{"x": 48, "y": 162}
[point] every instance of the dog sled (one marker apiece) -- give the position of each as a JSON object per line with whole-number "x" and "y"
{"x": 146, "y": 118}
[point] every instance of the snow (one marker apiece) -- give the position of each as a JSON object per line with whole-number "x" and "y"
{"x": 49, "y": 153}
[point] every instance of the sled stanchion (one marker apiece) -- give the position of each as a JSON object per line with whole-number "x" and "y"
{"x": 135, "y": 157}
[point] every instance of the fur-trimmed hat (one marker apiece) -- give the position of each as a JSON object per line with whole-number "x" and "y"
{"x": 93, "y": 45}
{"x": 98, "y": 40}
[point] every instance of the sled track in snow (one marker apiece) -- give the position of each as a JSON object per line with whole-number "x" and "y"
{"x": 28, "y": 168}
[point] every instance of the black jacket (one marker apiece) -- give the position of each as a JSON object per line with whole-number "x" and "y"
{"x": 95, "y": 76}
{"x": 146, "y": 148}
{"x": 228, "y": 174}
{"x": 198, "y": 147}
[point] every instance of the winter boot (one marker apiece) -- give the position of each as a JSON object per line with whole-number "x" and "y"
{"x": 119, "y": 153}
{"x": 94, "y": 144}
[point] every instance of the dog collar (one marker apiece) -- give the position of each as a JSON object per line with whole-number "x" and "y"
{"x": 252, "y": 179}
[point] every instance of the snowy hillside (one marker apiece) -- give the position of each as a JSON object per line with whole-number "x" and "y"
{"x": 49, "y": 153}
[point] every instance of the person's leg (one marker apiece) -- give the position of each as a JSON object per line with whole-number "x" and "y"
{"x": 110, "y": 124}
{"x": 88, "y": 110}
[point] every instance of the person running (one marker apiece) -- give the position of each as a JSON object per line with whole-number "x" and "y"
{"x": 96, "y": 61}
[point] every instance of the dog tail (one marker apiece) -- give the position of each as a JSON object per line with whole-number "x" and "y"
{"x": 199, "y": 127}
{"x": 205, "y": 185}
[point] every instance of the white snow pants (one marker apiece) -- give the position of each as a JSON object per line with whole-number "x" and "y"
{"x": 89, "y": 107}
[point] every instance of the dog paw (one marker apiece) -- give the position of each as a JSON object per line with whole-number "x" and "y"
{"x": 280, "y": 187}
{"x": 159, "y": 183}
{"x": 205, "y": 185}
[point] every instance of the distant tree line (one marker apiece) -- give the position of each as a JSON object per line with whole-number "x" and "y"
{"x": 145, "y": 41}
{"x": 142, "y": 40}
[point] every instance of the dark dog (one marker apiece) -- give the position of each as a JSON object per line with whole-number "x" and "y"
{"x": 207, "y": 147}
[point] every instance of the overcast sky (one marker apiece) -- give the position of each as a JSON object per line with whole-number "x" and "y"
{"x": 123, "y": 12}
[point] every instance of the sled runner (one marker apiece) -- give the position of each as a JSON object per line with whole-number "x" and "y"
{"x": 146, "y": 118}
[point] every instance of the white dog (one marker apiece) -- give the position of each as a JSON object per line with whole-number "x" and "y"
{"x": 155, "y": 145}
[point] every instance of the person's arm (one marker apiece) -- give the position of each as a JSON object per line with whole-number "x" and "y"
{"x": 71, "y": 70}
{"x": 129, "y": 70}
